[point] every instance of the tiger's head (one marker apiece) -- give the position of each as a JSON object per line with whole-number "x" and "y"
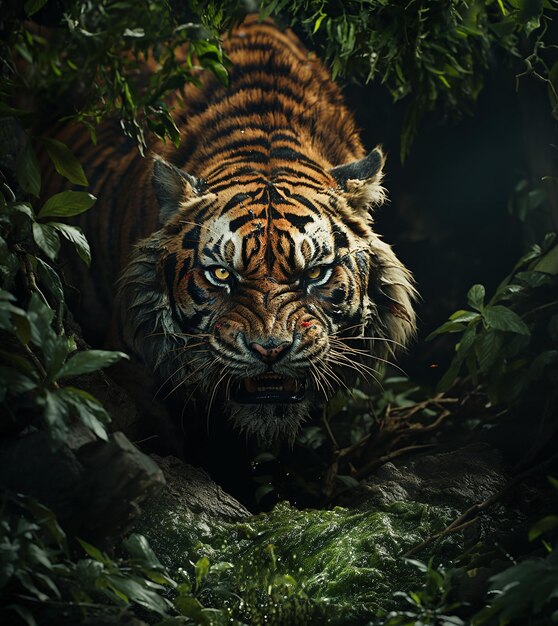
{"x": 266, "y": 293}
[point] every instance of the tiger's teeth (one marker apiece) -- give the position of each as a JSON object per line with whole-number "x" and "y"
{"x": 250, "y": 384}
{"x": 290, "y": 384}
{"x": 270, "y": 382}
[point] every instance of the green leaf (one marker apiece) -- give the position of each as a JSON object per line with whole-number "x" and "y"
{"x": 318, "y": 23}
{"x": 67, "y": 204}
{"x": 40, "y": 317}
{"x": 88, "y": 571}
{"x": 190, "y": 607}
{"x": 138, "y": 548}
{"x": 462, "y": 351}
{"x": 14, "y": 320}
{"x": 51, "y": 280}
{"x": 202, "y": 570}
{"x": 88, "y": 361}
{"x": 549, "y": 262}
{"x": 55, "y": 350}
{"x": 47, "y": 239}
{"x": 544, "y": 525}
{"x": 487, "y": 347}
{"x": 464, "y": 316}
{"x": 466, "y": 343}
{"x": 135, "y": 591}
{"x": 65, "y": 162}
{"x": 32, "y": 6}
{"x": 534, "y": 279}
{"x": 56, "y": 417}
{"x": 447, "y": 327}
{"x": 17, "y": 382}
{"x": 27, "y": 170}
{"x": 475, "y": 297}
{"x": 76, "y": 237}
{"x": 502, "y": 318}
{"x": 48, "y": 521}
{"x": 88, "y": 410}
{"x": 94, "y": 552}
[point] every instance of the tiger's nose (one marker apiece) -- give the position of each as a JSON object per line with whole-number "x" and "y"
{"x": 270, "y": 351}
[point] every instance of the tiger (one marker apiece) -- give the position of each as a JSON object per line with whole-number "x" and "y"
{"x": 245, "y": 262}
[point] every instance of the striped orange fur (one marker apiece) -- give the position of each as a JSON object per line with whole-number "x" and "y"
{"x": 246, "y": 260}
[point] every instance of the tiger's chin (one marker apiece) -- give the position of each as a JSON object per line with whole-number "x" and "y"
{"x": 269, "y": 408}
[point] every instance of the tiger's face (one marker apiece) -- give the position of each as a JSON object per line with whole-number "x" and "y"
{"x": 259, "y": 292}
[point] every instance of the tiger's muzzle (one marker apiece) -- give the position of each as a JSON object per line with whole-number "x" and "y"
{"x": 270, "y": 387}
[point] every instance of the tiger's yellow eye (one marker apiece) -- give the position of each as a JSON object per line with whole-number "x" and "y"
{"x": 314, "y": 273}
{"x": 221, "y": 273}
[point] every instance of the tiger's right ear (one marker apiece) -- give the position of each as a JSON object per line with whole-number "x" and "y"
{"x": 172, "y": 187}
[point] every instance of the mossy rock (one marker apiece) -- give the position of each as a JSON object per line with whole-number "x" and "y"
{"x": 291, "y": 566}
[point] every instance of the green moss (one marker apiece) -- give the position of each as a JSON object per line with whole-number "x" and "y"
{"x": 295, "y": 567}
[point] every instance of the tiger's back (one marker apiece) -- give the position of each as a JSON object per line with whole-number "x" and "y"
{"x": 254, "y": 236}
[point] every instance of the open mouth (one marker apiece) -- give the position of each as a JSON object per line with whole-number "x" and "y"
{"x": 269, "y": 389}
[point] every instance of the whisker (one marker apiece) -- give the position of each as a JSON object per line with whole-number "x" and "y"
{"x": 213, "y": 395}
{"x": 185, "y": 379}
{"x": 180, "y": 367}
{"x": 364, "y": 353}
{"x": 362, "y": 369}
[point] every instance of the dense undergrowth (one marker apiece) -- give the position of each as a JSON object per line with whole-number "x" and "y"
{"x": 504, "y": 361}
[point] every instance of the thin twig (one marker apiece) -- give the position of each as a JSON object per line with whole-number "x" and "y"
{"x": 481, "y": 506}
{"x": 442, "y": 533}
{"x": 363, "y": 471}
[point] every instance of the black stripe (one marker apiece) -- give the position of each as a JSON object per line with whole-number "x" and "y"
{"x": 306, "y": 203}
{"x": 236, "y": 145}
{"x": 285, "y": 169}
{"x": 224, "y": 181}
{"x": 288, "y": 154}
{"x": 239, "y": 123}
{"x": 198, "y": 294}
{"x": 298, "y": 221}
{"x": 191, "y": 238}
{"x": 265, "y": 88}
{"x": 237, "y": 199}
{"x": 169, "y": 270}
{"x": 339, "y": 237}
{"x": 239, "y": 222}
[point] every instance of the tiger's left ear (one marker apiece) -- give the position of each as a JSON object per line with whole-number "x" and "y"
{"x": 172, "y": 187}
{"x": 361, "y": 180}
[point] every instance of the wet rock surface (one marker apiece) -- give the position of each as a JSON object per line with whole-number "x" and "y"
{"x": 458, "y": 478}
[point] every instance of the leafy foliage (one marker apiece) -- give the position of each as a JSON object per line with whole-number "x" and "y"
{"x": 508, "y": 342}
{"x": 431, "y": 604}
{"x": 38, "y": 568}
{"x": 41, "y": 568}
{"x": 432, "y": 53}
{"x": 96, "y": 54}
{"x": 39, "y": 357}
{"x": 523, "y": 593}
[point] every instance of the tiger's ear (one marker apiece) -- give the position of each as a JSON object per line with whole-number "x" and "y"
{"x": 172, "y": 186}
{"x": 361, "y": 180}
